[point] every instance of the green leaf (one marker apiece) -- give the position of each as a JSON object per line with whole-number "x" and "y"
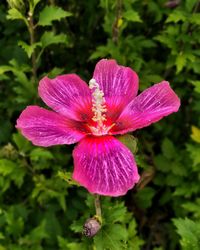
{"x": 130, "y": 141}
{"x": 1, "y": 237}
{"x": 50, "y": 14}
{"x": 162, "y": 163}
{"x": 112, "y": 237}
{"x": 34, "y": 3}
{"x": 168, "y": 149}
{"x": 144, "y": 197}
{"x": 37, "y": 234}
{"x": 12, "y": 171}
{"x": 131, "y": 15}
{"x": 5, "y": 68}
{"x": 38, "y": 153}
{"x": 195, "y": 18}
{"x": 55, "y": 71}
{"x": 15, "y": 14}
{"x": 189, "y": 4}
{"x": 189, "y": 232}
{"x": 194, "y": 153}
{"x": 176, "y": 16}
{"x": 22, "y": 143}
{"x": 180, "y": 62}
{"x": 196, "y": 84}
{"x": 49, "y": 38}
{"x": 6, "y": 167}
{"x": 193, "y": 207}
{"x": 29, "y": 49}
{"x": 67, "y": 176}
{"x": 195, "y": 134}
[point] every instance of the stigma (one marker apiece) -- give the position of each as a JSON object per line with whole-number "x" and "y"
{"x": 99, "y": 109}
{"x": 98, "y": 103}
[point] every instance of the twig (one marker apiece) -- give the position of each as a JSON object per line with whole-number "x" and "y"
{"x": 115, "y": 28}
{"x": 32, "y": 41}
{"x": 98, "y": 207}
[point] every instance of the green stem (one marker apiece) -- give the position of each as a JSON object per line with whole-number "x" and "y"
{"x": 98, "y": 207}
{"x": 32, "y": 41}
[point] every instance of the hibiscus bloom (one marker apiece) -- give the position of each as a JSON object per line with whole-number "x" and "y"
{"x": 92, "y": 115}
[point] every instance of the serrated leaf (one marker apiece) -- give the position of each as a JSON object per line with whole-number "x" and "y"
{"x": 195, "y": 18}
{"x": 112, "y": 237}
{"x": 29, "y": 49}
{"x": 195, "y": 134}
{"x": 15, "y": 14}
{"x": 38, "y": 233}
{"x": 55, "y": 72}
{"x": 6, "y": 166}
{"x": 162, "y": 163}
{"x": 193, "y": 207}
{"x": 180, "y": 62}
{"x": 38, "y": 153}
{"x": 196, "y": 84}
{"x": 131, "y": 15}
{"x": 168, "y": 149}
{"x": 49, "y": 38}
{"x": 67, "y": 176}
{"x": 189, "y": 232}
{"x": 22, "y": 143}
{"x": 176, "y": 16}
{"x": 50, "y": 14}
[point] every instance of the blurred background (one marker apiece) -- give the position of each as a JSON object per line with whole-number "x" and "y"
{"x": 41, "y": 208}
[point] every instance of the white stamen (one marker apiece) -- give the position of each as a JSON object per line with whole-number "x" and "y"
{"x": 98, "y": 104}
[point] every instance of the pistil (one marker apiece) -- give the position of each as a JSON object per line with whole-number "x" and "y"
{"x": 98, "y": 106}
{"x": 99, "y": 109}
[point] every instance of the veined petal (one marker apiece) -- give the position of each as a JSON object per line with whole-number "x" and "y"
{"x": 104, "y": 166}
{"x": 68, "y": 95}
{"x": 46, "y": 128}
{"x": 150, "y": 106}
{"x": 119, "y": 84}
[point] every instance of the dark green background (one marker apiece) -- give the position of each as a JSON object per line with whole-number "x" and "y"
{"x": 40, "y": 206}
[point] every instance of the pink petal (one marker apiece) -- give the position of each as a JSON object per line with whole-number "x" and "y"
{"x": 119, "y": 84}
{"x": 150, "y": 106}
{"x": 46, "y": 128}
{"x": 68, "y": 95}
{"x": 104, "y": 166}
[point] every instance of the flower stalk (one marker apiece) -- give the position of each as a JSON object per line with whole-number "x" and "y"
{"x": 98, "y": 207}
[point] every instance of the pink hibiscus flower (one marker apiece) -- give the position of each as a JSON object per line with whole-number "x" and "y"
{"x": 92, "y": 115}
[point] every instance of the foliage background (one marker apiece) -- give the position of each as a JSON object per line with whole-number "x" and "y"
{"x": 40, "y": 207}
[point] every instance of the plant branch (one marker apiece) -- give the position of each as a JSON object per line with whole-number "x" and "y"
{"x": 115, "y": 28}
{"x": 32, "y": 41}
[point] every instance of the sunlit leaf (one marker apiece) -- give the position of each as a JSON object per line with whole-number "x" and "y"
{"x": 50, "y": 14}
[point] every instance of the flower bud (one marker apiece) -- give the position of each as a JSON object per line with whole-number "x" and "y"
{"x": 91, "y": 227}
{"x": 172, "y": 4}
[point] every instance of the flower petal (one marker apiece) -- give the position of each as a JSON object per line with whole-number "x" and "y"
{"x": 150, "y": 106}
{"x": 104, "y": 166}
{"x": 68, "y": 95}
{"x": 119, "y": 84}
{"x": 46, "y": 128}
